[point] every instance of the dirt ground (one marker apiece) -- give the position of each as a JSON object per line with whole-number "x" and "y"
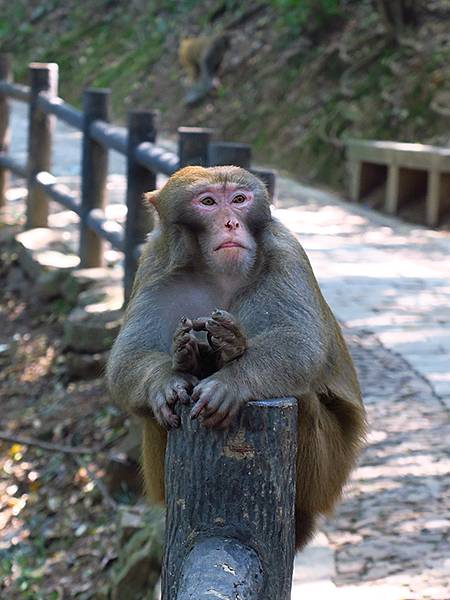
{"x": 57, "y": 508}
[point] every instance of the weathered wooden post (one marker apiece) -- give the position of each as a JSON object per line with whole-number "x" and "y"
{"x": 228, "y": 153}
{"x": 193, "y": 144}
{"x": 230, "y": 506}
{"x": 94, "y": 172}
{"x": 269, "y": 177}
{"x": 43, "y": 78}
{"x": 5, "y": 75}
{"x": 141, "y": 128}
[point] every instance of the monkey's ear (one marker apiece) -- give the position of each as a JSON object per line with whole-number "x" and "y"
{"x": 152, "y": 197}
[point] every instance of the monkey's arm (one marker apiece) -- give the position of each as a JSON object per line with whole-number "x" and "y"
{"x": 279, "y": 363}
{"x": 140, "y": 375}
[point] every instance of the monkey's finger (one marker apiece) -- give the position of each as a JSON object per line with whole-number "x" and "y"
{"x": 171, "y": 420}
{"x": 200, "y": 323}
{"x": 182, "y": 340}
{"x": 214, "y": 419}
{"x": 185, "y": 326}
{"x": 226, "y": 320}
{"x": 199, "y": 406}
{"x": 190, "y": 382}
{"x": 218, "y": 330}
{"x": 183, "y": 396}
{"x": 171, "y": 395}
{"x": 226, "y": 422}
{"x": 157, "y": 406}
{"x": 214, "y": 404}
{"x": 232, "y": 412}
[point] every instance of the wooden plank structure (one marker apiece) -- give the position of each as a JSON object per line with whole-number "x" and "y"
{"x": 400, "y": 172}
{"x": 230, "y": 506}
{"x": 145, "y": 159}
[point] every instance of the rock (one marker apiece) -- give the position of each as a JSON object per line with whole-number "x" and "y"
{"x": 122, "y": 473}
{"x": 82, "y": 279}
{"x": 131, "y": 520}
{"x": 108, "y": 295}
{"x": 91, "y": 328}
{"x": 46, "y": 258}
{"x": 8, "y": 233}
{"x": 138, "y": 568}
{"x": 130, "y": 445}
{"x": 49, "y": 284}
{"x": 42, "y": 250}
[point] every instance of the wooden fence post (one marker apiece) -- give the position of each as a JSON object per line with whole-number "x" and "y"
{"x": 230, "y": 506}
{"x": 193, "y": 144}
{"x": 227, "y": 153}
{"x": 5, "y": 75}
{"x": 141, "y": 128}
{"x": 269, "y": 177}
{"x": 43, "y": 78}
{"x": 94, "y": 172}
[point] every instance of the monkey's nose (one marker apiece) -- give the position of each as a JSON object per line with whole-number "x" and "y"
{"x": 232, "y": 224}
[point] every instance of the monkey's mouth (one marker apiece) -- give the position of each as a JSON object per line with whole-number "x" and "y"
{"x": 229, "y": 244}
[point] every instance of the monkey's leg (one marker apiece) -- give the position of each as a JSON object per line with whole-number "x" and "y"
{"x": 154, "y": 440}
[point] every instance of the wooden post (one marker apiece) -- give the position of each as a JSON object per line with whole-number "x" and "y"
{"x": 392, "y": 190}
{"x": 230, "y": 506}
{"x": 269, "y": 178}
{"x": 141, "y": 128}
{"x": 193, "y": 143}
{"x": 5, "y": 75}
{"x": 43, "y": 78}
{"x": 227, "y": 153}
{"x": 94, "y": 172}
{"x": 433, "y": 198}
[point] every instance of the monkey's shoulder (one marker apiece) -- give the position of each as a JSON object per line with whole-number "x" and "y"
{"x": 280, "y": 244}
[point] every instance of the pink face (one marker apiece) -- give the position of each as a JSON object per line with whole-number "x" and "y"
{"x": 225, "y": 210}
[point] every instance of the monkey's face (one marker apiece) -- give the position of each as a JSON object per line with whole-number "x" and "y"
{"x": 223, "y": 208}
{"x": 225, "y": 239}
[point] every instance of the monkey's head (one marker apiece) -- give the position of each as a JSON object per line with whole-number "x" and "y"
{"x": 223, "y": 209}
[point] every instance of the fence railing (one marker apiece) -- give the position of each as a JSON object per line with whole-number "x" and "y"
{"x": 145, "y": 159}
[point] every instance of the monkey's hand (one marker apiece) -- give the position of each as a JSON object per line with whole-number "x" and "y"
{"x": 217, "y": 403}
{"x": 177, "y": 387}
{"x": 225, "y": 335}
{"x": 185, "y": 349}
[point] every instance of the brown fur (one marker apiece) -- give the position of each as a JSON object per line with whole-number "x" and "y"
{"x": 202, "y": 55}
{"x": 293, "y": 345}
{"x": 201, "y": 58}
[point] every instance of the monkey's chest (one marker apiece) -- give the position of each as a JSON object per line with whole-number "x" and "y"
{"x": 187, "y": 299}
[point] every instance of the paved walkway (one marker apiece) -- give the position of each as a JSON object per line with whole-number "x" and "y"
{"x": 389, "y": 284}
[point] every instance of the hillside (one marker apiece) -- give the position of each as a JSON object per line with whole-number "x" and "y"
{"x": 299, "y": 78}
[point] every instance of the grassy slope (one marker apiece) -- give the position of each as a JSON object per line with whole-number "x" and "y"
{"x": 293, "y": 95}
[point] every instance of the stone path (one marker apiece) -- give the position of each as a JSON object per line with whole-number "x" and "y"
{"x": 389, "y": 284}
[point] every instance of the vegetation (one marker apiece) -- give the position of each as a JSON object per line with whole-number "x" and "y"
{"x": 301, "y": 77}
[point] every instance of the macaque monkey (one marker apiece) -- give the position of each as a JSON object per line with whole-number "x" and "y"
{"x": 201, "y": 58}
{"x": 220, "y": 266}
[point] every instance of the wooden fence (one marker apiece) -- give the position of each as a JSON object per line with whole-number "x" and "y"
{"x": 145, "y": 159}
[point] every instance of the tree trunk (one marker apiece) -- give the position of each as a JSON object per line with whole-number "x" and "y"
{"x": 396, "y": 14}
{"x": 230, "y": 506}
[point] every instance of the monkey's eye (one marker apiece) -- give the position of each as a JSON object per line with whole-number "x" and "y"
{"x": 208, "y": 201}
{"x": 239, "y": 199}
